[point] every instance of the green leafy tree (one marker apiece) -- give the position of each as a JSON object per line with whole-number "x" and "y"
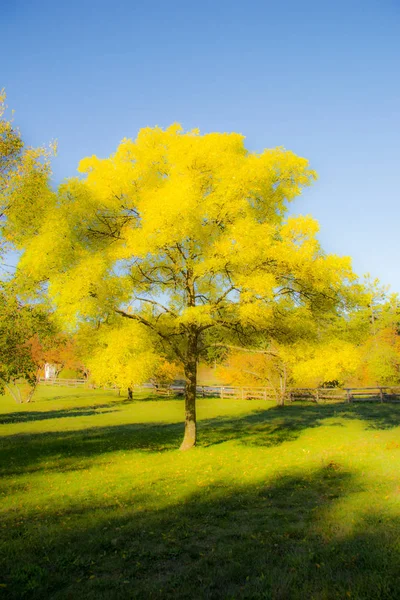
{"x": 21, "y": 327}
{"x": 24, "y": 182}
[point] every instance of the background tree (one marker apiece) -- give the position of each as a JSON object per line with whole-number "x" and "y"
{"x": 21, "y": 328}
{"x": 257, "y": 367}
{"x": 24, "y": 182}
{"x": 61, "y": 351}
{"x": 185, "y": 236}
{"x": 166, "y": 373}
{"x": 377, "y": 322}
{"x": 335, "y": 359}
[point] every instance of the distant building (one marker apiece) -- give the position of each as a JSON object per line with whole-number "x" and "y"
{"x": 50, "y": 371}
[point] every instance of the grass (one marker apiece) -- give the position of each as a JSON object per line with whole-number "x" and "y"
{"x": 293, "y": 503}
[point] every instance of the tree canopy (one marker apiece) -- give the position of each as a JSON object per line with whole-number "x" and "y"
{"x": 180, "y": 243}
{"x": 24, "y": 182}
{"x": 22, "y": 328}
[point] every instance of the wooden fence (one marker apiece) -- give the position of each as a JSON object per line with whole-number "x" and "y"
{"x": 67, "y": 382}
{"x": 373, "y": 394}
{"x": 204, "y": 391}
{"x": 370, "y": 394}
{"x": 73, "y": 383}
{"x": 367, "y": 394}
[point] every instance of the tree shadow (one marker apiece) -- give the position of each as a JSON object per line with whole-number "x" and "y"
{"x": 275, "y": 540}
{"x": 262, "y": 428}
{"x": 22, "y": 453}
{"x": 276, "y": 425}
{"x": 377, "y": 415}
{"x": 30, "y": 416}
{"x": 60, "y": 450}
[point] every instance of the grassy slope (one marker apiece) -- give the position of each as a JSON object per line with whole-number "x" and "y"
{"x": 97, "y": 502}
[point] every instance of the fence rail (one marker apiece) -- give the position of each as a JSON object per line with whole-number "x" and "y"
{"x": 68, "y": 382}
{"x": 366, "y": 394}
{"x": 206, "y": 391}
{"x": 73, "y": 383}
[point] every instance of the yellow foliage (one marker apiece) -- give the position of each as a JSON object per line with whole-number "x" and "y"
{"x": 329, "y": 361}
{"x": 189, "y": 234}
{"x": 121, "y": 355}
{"x": 166, "y": 372}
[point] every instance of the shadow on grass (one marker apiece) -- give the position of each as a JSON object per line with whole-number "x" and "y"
{"x": 65, "y": 450}
{"x": 277, "y": 425}
{"x": 274, "y": 540}
{"x": 121, "y": 398}
{"x": 60, "y": 450}
{"x": 377, "y": 415}
{"x": 29, "y": 416}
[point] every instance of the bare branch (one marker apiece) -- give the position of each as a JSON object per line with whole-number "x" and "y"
{"x": 167, "y": 310}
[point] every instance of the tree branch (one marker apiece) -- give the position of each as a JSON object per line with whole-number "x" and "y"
{"x": 150, "y": 325}
{"x": 167, "y": 310}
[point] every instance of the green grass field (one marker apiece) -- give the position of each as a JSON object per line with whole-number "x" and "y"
{"x": 97, "y": 502}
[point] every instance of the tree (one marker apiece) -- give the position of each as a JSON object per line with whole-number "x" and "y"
{"x": 187, "y": 237}
{"x": 24, "y": 182}
{"x": 379, "y": 321}
{"x": 330, "y": 360}
{"x": 166, "y": 373}
{"x": 119, "y": 353}
{"x": 61, "y": 351}
{"x": 258, "y": 367}
{"x": 21, "y": 328}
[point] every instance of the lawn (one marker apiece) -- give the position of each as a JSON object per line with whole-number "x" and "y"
{"x": 98, "y": 503}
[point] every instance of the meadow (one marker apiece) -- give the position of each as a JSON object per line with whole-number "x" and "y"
{"x": 97, "y": 502}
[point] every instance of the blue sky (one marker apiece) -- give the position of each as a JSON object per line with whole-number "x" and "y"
{"x": 319, "y": 78}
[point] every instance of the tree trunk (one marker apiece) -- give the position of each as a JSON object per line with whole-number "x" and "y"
{"x": 281, "y": 399}
{"x": 189, "y": 439}
{"x": 16, "y": 394}
{"x": 282, "y": 386}
{"x": 31, "y": 393}
{"x": 130, "y": 393}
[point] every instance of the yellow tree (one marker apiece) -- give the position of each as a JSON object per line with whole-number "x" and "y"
{"x": 380, "y": 344}
{"x": 330, "y": 360}
{"x": 185, "y": 235}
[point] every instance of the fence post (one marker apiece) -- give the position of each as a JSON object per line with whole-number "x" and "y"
{"x": 317, "y": 395}
{"x": 242, "y": 392}
{"x": 381, "y": 394}
{"x": 348, "y": 395}
{"x": 222, "y": 393}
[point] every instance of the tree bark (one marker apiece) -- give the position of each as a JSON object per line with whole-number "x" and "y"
{"x": 130, "y": 393}
{"x": 16, "y": 395}
{"x": 189, "y": 439}
{"x": 31, "y": 393}
{"x": 282, "y": 386}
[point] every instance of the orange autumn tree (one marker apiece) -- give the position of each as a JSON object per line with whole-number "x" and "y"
{"x": 256, "y": 367}
{"x": 305, "y": 363}
{"x": 166, "y": 372}
{"x": 62, "y": 352}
